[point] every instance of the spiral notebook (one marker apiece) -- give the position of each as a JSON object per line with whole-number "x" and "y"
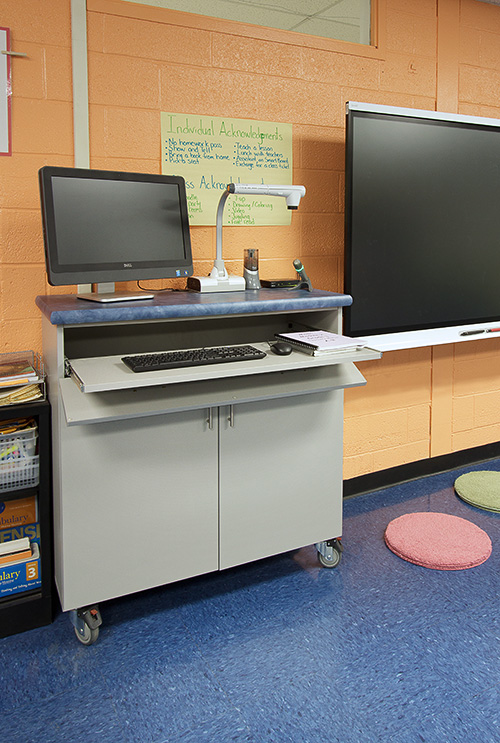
{"x": 318, "y": 342}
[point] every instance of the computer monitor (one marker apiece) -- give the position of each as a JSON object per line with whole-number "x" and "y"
{"x": 106, "y": 226}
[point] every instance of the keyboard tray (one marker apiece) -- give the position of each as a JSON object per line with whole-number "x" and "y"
{"x": 102, "y": 373}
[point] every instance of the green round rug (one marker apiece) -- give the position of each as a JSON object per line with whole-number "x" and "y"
{"x": 480, "y": 489}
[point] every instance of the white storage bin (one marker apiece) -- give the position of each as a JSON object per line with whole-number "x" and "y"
{"x": 19, "y": 467}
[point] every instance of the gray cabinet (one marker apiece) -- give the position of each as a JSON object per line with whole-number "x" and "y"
{"x": 280, "y": 475}
{"x": 166, "y": 475}
{"x": 138, "y": 507}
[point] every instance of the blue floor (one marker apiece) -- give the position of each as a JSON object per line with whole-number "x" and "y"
{"x": 281, "y": 651}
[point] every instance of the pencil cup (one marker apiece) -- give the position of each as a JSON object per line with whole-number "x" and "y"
{"x": 251, "y": 268}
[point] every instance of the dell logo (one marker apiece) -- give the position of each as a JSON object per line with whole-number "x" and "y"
{"x": 127, "y": 265}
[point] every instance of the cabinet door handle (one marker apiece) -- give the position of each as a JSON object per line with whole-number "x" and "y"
{"x": 231, "y": 416}
{"x": 210, "y": 419}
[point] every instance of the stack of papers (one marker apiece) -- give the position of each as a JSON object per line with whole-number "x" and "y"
{"x": 25, "y": 393}
{"x": 19, "y": 374}
{"x": 319, "y": 342}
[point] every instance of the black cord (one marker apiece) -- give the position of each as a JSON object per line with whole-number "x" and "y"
{"x": 157, "y": 291}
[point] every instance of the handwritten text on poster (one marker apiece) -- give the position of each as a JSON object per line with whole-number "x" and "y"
{"x": 210, "y": 152}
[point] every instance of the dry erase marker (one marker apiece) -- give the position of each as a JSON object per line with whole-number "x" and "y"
{"x": 493, "y": 330}
{"x": 473, "y": 332}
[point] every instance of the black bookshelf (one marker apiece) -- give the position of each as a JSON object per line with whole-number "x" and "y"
{"x": 30, "y": 609}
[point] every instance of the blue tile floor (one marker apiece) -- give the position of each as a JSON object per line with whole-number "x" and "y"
{"x": 281, "y": 650}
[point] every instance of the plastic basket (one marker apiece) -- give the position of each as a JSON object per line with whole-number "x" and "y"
{"x": 22, "y": 473}
{"x": 19, "y": 466}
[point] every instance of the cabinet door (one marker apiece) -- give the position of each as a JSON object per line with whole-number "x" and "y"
{"x": 137, "y": 506}
{"x": 281, "y": 475}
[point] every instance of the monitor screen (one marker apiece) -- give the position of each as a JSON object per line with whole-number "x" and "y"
{"x": 422, "y": 220}
{"x": 106, "y": 226}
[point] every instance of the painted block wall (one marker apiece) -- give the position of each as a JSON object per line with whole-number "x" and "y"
{"x": 447, "y": 398}
{"x": 442, "y": 54}
{"x": 42, "y": 132}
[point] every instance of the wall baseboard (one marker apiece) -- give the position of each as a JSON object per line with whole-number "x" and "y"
{"x": 422, "y": 468}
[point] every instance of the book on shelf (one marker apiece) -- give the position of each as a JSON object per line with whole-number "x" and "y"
{"x": 19, "y": 368}
{"x": 319, "y": 342}
{"x": 14, "y": 548}
{"x": 22, "y": 575}
{"x": 32, "y": 531}
{"x": 16, "y": 512}
{"x": 17, "y": 556}
{"x": 17, "y": 371}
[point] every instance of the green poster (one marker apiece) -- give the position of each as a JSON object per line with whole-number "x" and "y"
{"x": 210, "y": 152}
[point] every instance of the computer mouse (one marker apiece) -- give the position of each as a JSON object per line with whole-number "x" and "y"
{"x": 281, "y": 348}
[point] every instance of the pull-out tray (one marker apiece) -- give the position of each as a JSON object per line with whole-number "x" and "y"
{"x": 139, "y": 402}
{"x": 106, "y": 373}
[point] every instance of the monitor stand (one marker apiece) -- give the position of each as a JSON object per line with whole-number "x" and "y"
{"x": 115, "y": 296}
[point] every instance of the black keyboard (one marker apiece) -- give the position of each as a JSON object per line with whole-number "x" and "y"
{"x": 192, "y": 357}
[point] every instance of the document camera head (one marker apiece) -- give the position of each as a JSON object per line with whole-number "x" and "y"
{"x": 292, "y": 194}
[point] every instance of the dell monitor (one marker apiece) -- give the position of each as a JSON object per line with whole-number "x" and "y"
{"x": 105, "y": 226}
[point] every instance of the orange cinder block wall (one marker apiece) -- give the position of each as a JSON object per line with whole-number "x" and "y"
{"x": 142, "y": 60}
{"x": 42, "y": 133}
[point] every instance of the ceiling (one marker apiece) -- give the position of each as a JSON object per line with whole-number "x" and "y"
{"x": 348, "y": 20}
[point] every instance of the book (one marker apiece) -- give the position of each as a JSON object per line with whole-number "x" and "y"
{"x": 18, "y": 371}
{"x": 21, "y": 530}
{"x": 318, "y": 342}
{"x": 14, "y": 546}
{"x": 16, "y": 512}
{"x": 16, "y": 556}
{"x": 23, "y": 575}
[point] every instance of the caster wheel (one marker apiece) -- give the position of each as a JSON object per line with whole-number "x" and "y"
{"x": 333, "y": 562}
{"x": 86, "y": 622}
{"x": 88, "y": 636}
{"x": 334, "y": 554}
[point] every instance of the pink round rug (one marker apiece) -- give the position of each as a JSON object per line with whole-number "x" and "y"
{"x": 438, "y": 541}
